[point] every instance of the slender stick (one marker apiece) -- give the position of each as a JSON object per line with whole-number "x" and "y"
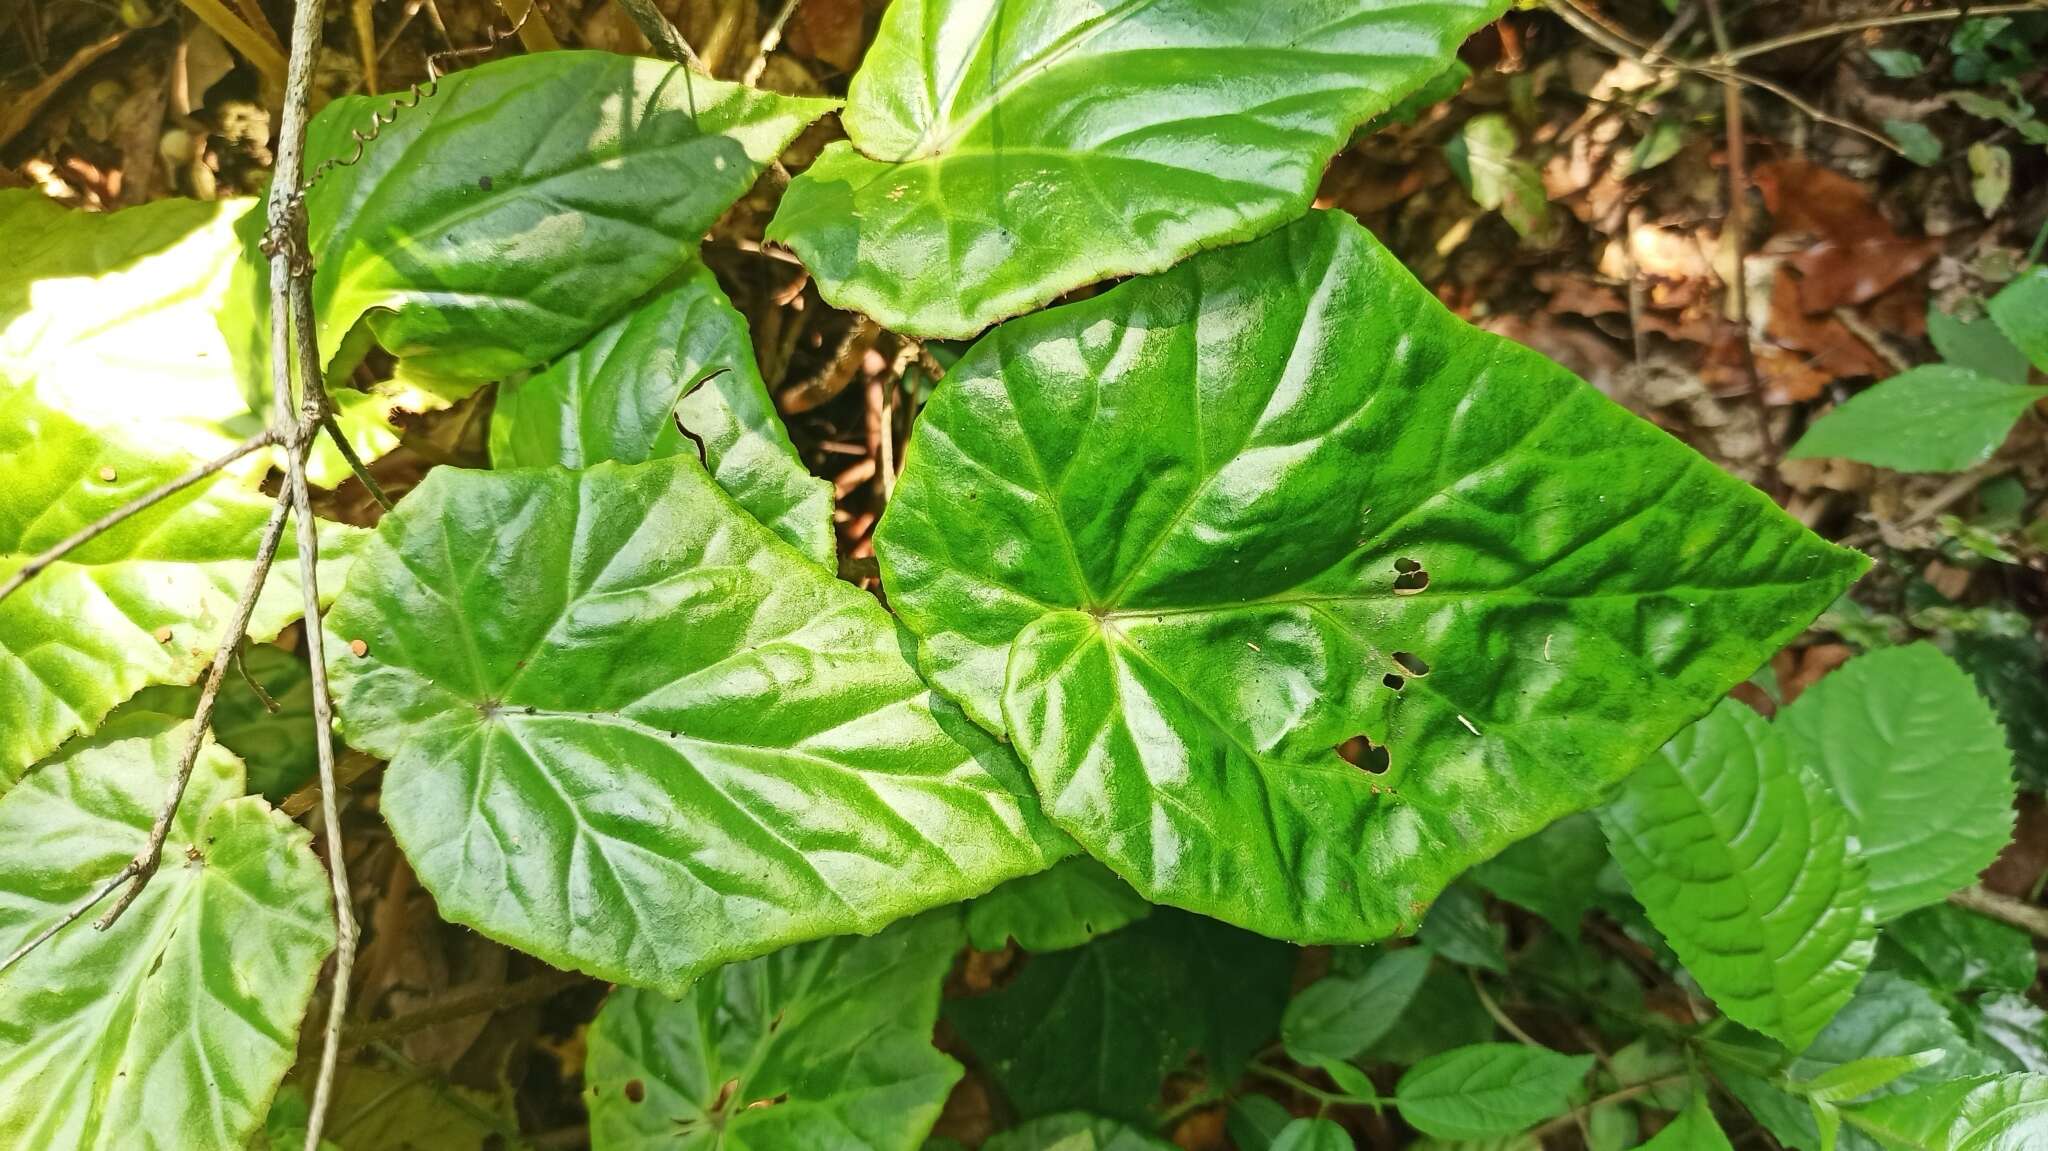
{"x": 1828, "y": 31}
{"x": 769, "y": 40}
{"x": 292, "y": 344}
{"x": 2005, "y": 909}
{"x": 136, "y": 506}
{"x": 355, "y": 462}
{"x": 137, "y": 871}
{"x": 661, "y": 33}
{"x": 474, "y": 1001}
{"x": 1735, "y": 226}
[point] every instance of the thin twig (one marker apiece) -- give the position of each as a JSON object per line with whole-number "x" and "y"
{"x": 769, "y": 40}
{"x": 1733, "y": 228}
{"x": 292, "y": 344}
{"x": 1841, "y": 28}
{"x": 355, "y": 462}
{"x": 1501, "y": 1017}
{"x": 136, "y": 506}
{"x": 474, "y": 1001}
{"x": 1579, "y": 1114}
{"x": 137, "y": 871}
{"x": 2003, "y": 908}
{"x": 661, "y": 33}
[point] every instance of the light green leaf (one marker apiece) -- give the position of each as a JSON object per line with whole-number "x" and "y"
{"x": 1860, "y": 1077}
{"x": 2020, "y": 309}
{"x": 145, "y": 603}
{"x": 680, "y": 361}
{"x": 1313, "y": 1135}
{"x": 1990, "y": 176}
{"x": 1915, "y": 140}
{"x": 2007, "y": 1113}
{"x": 1490, "y": 1089}
{"x": 1960, "y": 950}
{"x": 1976, "y": 344}
{"x": 1918, "y": 759}
{"x": 1075, "y": 1131}
{"x": 522, "y": 205}
{"x": 1098, "y": 1028}
{"x": 1897, "y": 63}
{"x": 1554, "y": 873}
{"x": 1889, "y": 1018}
{"x": 378, "y": 1108}
{"x": 1665, "y": 138}
{"x": 1164, "y": 538}
{"x": 1743, "y": 861}
{"x": 1001, "y": 153}
{"x": 1483, "y": 157}
{"x": 173, "y": 1028}
{"x": 1693, "y": 1130}
{"x": 613, "y": 688}
{"x": 825, "y": 1044}
{"x": 277, "y": 747}
{"x": 1458, "y": 929}
{"x": 1066, "y": 906}
{"x": 1338, "y": 1016}
{"x": 1937, "y": 418}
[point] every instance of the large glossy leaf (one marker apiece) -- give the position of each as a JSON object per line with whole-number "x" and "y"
{"x": 680, "y": 361}
{"x": 825, "y": 1046}
{"x": 1065, "y": 906}
{"x": 2006, "y": 1113}
{"x": 1919, "y": 759}
{"x": 142, "y": 604}
{"x": 1183, "y": 539}
{"x": 635, "y": 733}
{"x": 1489, "y": 1089}
{"x": 1075, "y": 1131}
{"x": 171, "y": 1030}
{"x": 1098, "y": 1028}
{"x": 1744, "y": 861}
{"x": 523, "y": 204}
{"x": 1937, "y": 418}
{"x": 1003, "y": 152}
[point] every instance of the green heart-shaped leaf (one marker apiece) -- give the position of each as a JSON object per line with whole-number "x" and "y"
{"x": 613, "y": 689}
{"x": 1183, "y": 539}
{"x": 826, "y": 1045}
{"x": 1003, "y": 153}
{"x": 520, "y": 205}
{"x": 680, "y": 361}
{"x": 174, "y": 1028}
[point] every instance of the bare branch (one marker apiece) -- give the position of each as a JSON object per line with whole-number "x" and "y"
{"x": 2005, "y": 909}
{"x": 1840, "y": 28}
{"x": 465, "y": 1003}
{"x": 355, "y": 462}
{"x": 661, "y": 33}
{"x": 134, "y": 507}
{"x": 769, "y": 40}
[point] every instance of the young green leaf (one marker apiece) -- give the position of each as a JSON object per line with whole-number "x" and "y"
{"x": 1065, "y": 906}
{"x": 1918, "y": 759}
{"x": 2020, "y": 309}
{"x": 1313, "y": 1135}
{"x": 1098, "y": 1028}
{"x": 1894, "y": 1035}
{"x": 1743, "y": 861}
{"x": 1029, "y": 149}
{"x": 1075, "y": 1131}
{"x": 615, "y": 689}
{"x": 2007, "y": 1113}
{"x": 1976, "y": 344}
{"x": 1554, "y": 873}
{"x": 676, "y": 375}
{"x": 825, "y": 1044}
{"x": 1860, "y": 1077}
{"x": 1693, "y": 1130}
{"x": 1458, "y": 929}
{"x": 1489, "y": 1089}
{"x": 1337, "y": 1017}
{"x": 1937, "y": 418}
{"x": 1483, "y": 158}
{"x": 144, "y": 603}
{"x": 521, "y": 204}
{"x": 1185, "y": 538}
{"x": 1956, "y": 950}
{"x": 176, "y": 1025}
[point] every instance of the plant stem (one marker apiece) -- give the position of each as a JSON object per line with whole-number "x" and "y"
{"x": 136, "y": 506}
{"x": 261, "y": 53}
{"x": 1331, "y": 1098}
{"x": 1843, "y": 27}
{"x": 2003, "y": 908}
{"x": 769, "y": 39}
{"x": 1572, "y": 1117}
{"x": 1501, "y": 1017}
{"x": 355, "y": 462}
{"x": 474, "y": 1001}
{"x": 1734, "y": 229}
{"x": 661, "y": 33}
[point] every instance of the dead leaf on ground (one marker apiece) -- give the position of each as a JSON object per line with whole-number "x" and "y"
{"x": 1850, "y": 253}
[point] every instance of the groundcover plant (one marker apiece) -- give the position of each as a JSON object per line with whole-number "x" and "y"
{"x": 1257, "y": 644}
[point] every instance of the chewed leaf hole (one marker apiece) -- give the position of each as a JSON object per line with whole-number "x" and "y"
{"x": 1404, "y": 565}
{"x": 1411, "y": 663}
{"x": 1393, "y": 681}
{"x": 1361, "y": 752}
{"x": 636, "y": 1091}
{"x": 1410, "y": 582}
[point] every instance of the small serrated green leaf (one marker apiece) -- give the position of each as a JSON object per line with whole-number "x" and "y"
{"x": 1956, "y": 950}
{"x": 1489, "y": 1089}
{"x": 1693, "y": 1130}
{"x": 1313, "y": 1135}
{"x": 1743, "y": 860}
{"x": 2020, "y": 309}
{"x": 825, "y": 1044}
{"x": 1337, "y": 1016}
{"x": 1919, "y": 760}
{"x": 1976, "y": 344}
{"x": 1936, "y": 418}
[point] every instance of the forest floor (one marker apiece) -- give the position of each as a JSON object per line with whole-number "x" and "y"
{"x": 1872, "y": 175}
